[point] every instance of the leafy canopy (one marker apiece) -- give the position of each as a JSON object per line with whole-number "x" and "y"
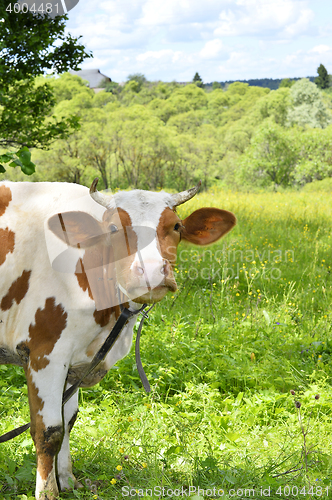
{"x": 308, "y": 107}
{"x": 169, "y": 136}
{"x": 31, "y": 45}
{"x": 323, "y": 80}
{"x": 198, "y": 80}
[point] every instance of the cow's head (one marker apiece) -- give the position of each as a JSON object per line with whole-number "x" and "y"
{"x": 134, "y": 247}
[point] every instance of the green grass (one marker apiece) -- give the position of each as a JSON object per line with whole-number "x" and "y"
{"x": 251, "y": 321}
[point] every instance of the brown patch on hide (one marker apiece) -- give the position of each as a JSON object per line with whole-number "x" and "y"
{"x": 7, "y": 243}
{"x": 95, "y": 274}
{"x": 82, "y": 277}
{"x": 24, "y": 352}
{"x": 103, "y": 296}
{"x": 43, "y": 335}
{"x": 96, "y": 271}
{"x": 5, "y": 198}
{"x": 17, "y": 291}
{"x": 47, "y": 440}
{"x": 168, "y": 237}
{"x": 102, "y": 318}
{"x": 119, "y": 217}
{"x": 124, "y": 242}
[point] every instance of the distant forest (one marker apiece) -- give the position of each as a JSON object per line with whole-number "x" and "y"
{"x": 269, "y": 83}
{"x": 158, "y": 135}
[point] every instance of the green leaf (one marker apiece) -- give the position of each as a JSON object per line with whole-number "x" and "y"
{"x": 6, "y": 157}
{"x": 28, "y": 168}
{"x": 209, "y": 462}
{"x": 15, "y": 163}
{"x": 233, "y": 436}
{"x": 24, "y": 154}
{"x": 174, "y": 450}
{"x": 22, "y": 160}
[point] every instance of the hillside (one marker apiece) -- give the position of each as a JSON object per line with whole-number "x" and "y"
{"x": 156, "y": 135}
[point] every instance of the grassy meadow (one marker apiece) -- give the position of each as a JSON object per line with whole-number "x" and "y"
{"x": 250, "y": 323}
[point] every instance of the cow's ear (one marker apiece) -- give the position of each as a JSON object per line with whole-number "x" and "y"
{"x": 207, "y": 225}
{"x": 76, "y": 228}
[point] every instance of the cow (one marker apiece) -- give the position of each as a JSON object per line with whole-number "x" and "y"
{"x": 69, "y": 257}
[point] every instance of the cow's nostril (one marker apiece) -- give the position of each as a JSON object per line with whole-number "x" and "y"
{"x": 165, "y": 269}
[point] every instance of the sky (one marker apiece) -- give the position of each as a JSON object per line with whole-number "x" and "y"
{"x": 220, "y": 39}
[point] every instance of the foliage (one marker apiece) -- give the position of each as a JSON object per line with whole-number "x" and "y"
{"x": 198, "y": 80}
{"x": 307, "y": 106}
{"x": 112, "y": 87}
{"x": 317, "y": 186}
{"x": 314, "y": 156}
{"x": 167, "y": 136}
{"x": 270, "y": 158}
{"x": 286, "y": 83}
{"x": 251, "y": 322}
{"x": 276, "y": 106}
{"x": 139, "y": 79}
{"x": 21, "y": 158}
{"x": 216, "y": 85}
{"x": 323, "y": 79}
{"x": 31, "y": 44}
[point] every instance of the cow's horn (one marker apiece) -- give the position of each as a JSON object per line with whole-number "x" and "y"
{"x": 184, "y": 196}
{"x": 100, "y": 198}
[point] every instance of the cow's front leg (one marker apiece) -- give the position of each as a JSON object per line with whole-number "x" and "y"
{"x": 65, "y": 473}
{"x": 45, "y": 388}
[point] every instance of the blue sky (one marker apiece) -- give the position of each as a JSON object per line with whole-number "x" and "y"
{"x": 221, "y": 39}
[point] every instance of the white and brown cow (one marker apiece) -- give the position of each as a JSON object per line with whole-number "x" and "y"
{"x": 65, "y": 256}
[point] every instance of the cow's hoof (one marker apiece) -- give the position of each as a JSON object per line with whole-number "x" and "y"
{"x": 69, "y": 482}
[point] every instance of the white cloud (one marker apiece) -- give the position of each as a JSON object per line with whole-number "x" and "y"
{"x": 261, "y": 18}
{"x": 221, "y": 39}
{"x": 301, "y": 25}
{"x": 321, "y": 49}
{"x": 164, "y": 55}
{"x": 212, "y": 49}
{"x": 173, "y": 12}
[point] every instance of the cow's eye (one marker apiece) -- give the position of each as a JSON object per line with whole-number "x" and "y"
{"x": 177, "y": 227}
{"x": 113, "y": 229}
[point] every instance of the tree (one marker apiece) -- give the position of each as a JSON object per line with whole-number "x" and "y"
{"x": 286, "y": 82}
{"x": 323, "y": 80}
{"x": 112, "y": 87}
{"x": 315, "y": 155}
{"x": 270, "y": 159}
{"x": 308, "y": 107}
{"x": 218, "y": 102}
{"x": 140, "y": 80}
{"x": 198, "y": 154}
{"x": 216, "y": 85}
{"x": 198, "y": 80}
{"x": 275, "y": 105}
{"x": 30, "y": 45}
{"x": 142, "y": 147}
